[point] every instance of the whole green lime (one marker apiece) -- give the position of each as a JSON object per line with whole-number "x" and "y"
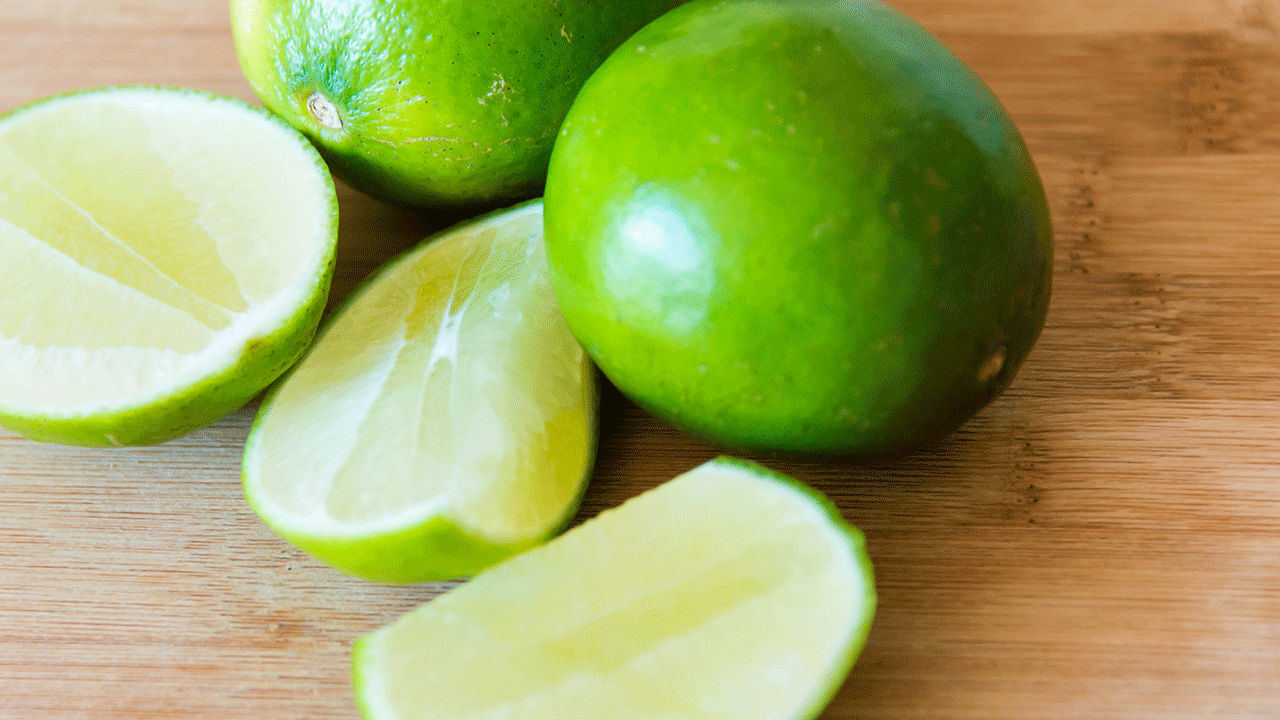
{"x": 442, "y": 103}
{"x": 798, "y": 226}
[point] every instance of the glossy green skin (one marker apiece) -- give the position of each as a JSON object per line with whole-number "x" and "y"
{"x": 448, "y": 103}
{"x": 798, "y": 227}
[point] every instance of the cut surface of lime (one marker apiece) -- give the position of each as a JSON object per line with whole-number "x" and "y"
{"x": 445, "y": 419}
{"x": 166, "y": 253}
{"x": 729, "y": 592}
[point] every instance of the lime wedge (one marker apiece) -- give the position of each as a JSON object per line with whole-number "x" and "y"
{"x": 729, "y": 592}
{"x": 444, "y": 420}
{"x": 164, "y": 255}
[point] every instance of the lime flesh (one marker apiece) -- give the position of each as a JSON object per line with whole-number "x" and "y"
{"x": 728, "y": 592}
{"x": 167, "y": 254}
{"x": 444, "y": 420}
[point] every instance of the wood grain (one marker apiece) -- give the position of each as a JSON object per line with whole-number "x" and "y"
{"x": 1101, "y": 542}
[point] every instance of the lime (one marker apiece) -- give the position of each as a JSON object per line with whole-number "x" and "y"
{"x": 444, "y": 420}
{"x": 798, "y": 227}
{"x": 728, "y": 592}
{"x": 431, "y": 103}
{"x": 166, "y": 255}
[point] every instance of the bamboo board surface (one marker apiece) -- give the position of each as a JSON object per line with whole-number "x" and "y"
{"x": 1101, "y": 542}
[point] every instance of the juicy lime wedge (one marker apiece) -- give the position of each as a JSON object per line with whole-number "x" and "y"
{"x": 164, "y": 255}
{"x": 444, "y": 420}
{"x": 729, "y": 592}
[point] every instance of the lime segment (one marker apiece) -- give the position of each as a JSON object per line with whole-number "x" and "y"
{"x": 167, "y": 255}
{"x": 444, "y": 420}
{"x": 729, "y": 592}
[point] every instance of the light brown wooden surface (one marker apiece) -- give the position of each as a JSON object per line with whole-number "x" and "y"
{"x": 1101, "y": 542}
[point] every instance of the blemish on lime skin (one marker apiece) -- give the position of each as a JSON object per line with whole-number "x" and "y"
{"x": 992, "y": 366}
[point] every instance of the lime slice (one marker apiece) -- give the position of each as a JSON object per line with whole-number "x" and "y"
{"x": 729, "y": 592}
{"x": 444, "y": 420}
{"x": 166, "y": 255}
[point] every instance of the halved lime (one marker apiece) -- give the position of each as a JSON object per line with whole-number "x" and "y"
{"x": 164, "y": 255}
{"x": 729, "y": 592}
{"x": 444, "y": 420}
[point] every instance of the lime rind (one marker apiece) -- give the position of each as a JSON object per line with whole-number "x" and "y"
{"x": 425, "y": 541}
{"x": 262, "y": 342}
{"x": 422, "y": 546}
{"x": 187, "y": 408}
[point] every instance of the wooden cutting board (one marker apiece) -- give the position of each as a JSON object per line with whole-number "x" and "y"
{"x": 1101, "y": 542}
